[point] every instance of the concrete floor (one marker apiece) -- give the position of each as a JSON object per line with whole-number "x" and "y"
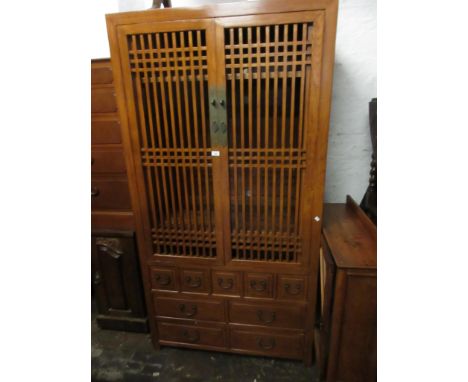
{"x": 122, "y": 356}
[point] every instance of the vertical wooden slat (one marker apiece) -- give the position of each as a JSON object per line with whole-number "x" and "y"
{"x": 289, "y": 231}
{"x": 250, "y": 144}
{"x": 234, "y": 140}
{"x": 267, "y": 134}
{"x": 284, "y": 89}
{"x": 242, "y": 143}
{"x": 258, "y": 143}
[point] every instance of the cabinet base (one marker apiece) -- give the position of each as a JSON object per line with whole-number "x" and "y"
{"x": 126, "y": 324}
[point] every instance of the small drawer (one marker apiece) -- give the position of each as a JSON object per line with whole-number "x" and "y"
{"x": 107, "y": 194}
{"x": 105, "y": 130}
{"x": 226, "y": 283}
{"x": 103, "y": 100}
{"x": 258, "y": 285}
{"x": 195, "y": 280}
{"x": 101, "y": 73}
{"x": 194, "y": 309}
{"x": 164, "y": 279}
{"x": 267, "y": 315}
{"x": 107, "y": 161}
{"x": 192, "y": 335}
{"x": 274, "y": 343}
{"x": 291, "y": 287}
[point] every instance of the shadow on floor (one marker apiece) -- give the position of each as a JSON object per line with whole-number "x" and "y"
{"x": 122, "y": 356}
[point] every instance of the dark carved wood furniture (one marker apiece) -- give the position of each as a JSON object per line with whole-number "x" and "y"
{"x": 225, "y": 111}
{"x": 369, "y": 201}
{"x": 115, "y": 265}
{"x": 346, "y": 337}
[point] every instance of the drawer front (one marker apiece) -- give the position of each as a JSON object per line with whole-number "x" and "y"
{"x": 226, "y": 283}
{"x": 101, "y": 74}
{"x": 194, "y": 309}
{"x": 107, "y": 161}
{"x": 270, "y": 343}
{"x": 110, "y": 194}
{"x": 164, "y": 279}
{"x": 192, "y": 335}
{"x": 105, "y": 131}
{"x": 258, "y": 285}
{"x": 195, "y": 280}
{"x": 291, "y": 287}
{"x": 270, "y": 315}
{"x": 103, "y": 100}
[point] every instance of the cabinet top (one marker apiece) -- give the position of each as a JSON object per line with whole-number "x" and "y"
{"x": 350, "y": 235}
{"x": 220, "y": 10}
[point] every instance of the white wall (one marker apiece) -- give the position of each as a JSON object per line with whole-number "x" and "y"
{"x": 355, "y": 83}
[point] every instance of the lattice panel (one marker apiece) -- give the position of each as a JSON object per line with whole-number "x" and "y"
{"x": 267, "y": 68}
{"x": 170, "y": 82}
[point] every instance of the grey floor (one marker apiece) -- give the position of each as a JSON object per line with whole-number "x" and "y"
{"x": 122, "y": 356}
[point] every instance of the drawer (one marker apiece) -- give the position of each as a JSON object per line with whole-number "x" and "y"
{"x": 109, "y": 194}
{"x": 265, "y": 314}
{"x": 103, "y": 100}
{"x": 258, "y": 285}
{"x": 164, "y": 279}
{"x": 192, "y": 334}
{"x": 105, "y": 130}
{"x": 195, "y": 280}
{"x": 291, "y": 287}
{"x": 194, "y": 309}
{"x": 113, "y": 220}
{"x": 272, "y": 342}
{"x": 107, "y": 161}
{"x": 226, "y": 283}
{"x": 101, "y": 73}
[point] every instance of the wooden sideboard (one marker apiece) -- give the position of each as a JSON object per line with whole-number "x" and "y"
{"x": 346, "y": 337}
{"x": 115, "y": 265}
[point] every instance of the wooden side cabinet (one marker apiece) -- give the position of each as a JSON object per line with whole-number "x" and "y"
{"x": 345, "y": 336}
{"x": 117, "y": 284}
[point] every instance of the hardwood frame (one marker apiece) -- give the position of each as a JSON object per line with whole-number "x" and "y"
{"x": 319, "y": 101}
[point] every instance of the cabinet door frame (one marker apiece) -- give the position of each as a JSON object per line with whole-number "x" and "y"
{"x": 310, "y": 240}
{"x": 134, "y": 131}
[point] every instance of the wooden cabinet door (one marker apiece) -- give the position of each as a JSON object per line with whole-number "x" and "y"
{"x": 269, "y": 70}
{"x": 168, "y": 70}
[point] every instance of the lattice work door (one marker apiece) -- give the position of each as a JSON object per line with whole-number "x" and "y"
{"x": 168, "y": 68}
{"x": 271, "y": 67}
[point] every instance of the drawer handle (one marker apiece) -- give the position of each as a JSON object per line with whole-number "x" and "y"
{"x": 293, "y": 291}
{"x": 229, "y": 283}
{"x": 183, "y": 310}
{"x": 266, "y": 345}
{"x": 94, "y": 191}
{"x": 266, "y": 320}
{"x": 196, "y": 283}
{"x": 262, "y": 284}
{"x": 189, "y": 338}
{"x": 163, "y": 280}
{"x": 97, "y": 278}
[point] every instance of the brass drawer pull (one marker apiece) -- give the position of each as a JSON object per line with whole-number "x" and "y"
{"x": 183, "y": 310}
{"x": 266, "y": 320}
{"x": 266, "y": 345}
{"x": 94, "y": 191}
{"x": 293, "y": 291}
{"x": 196, "y": 283}
{"x": 229, "y": 283}
{"x": 262, "y": 285}
{"x": 194, "y": 338}
{"x": 97, "y": 278}
{"x": 163, "y": 280}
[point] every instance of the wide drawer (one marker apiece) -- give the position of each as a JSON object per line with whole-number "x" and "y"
{"x": 110, "y": 194}
{"x": 105, "y": 130}
{"x": 101, "y": 73}
{"x": 192, "y": 334}
{"x": 195, "y": 309}
{"x": 271, "y": 343}
{"x": 292, "y": 316}
{"x": 107, "y": 161}
{"x": 103, "y": 100}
